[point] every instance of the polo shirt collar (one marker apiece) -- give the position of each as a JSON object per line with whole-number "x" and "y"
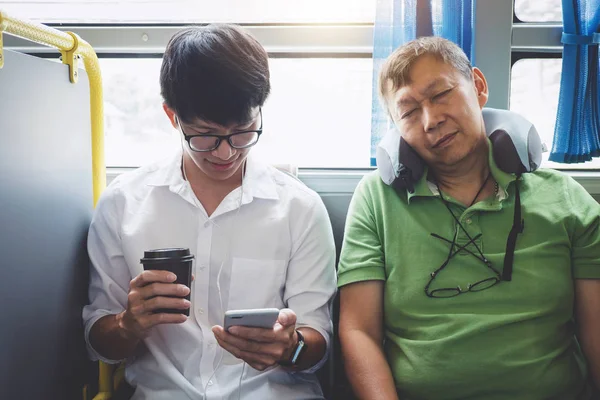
{"x": 426, "y": 188}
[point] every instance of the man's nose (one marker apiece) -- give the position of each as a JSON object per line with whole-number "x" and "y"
{"x": 224, "y": 151}
{"x": 432, "y": 118}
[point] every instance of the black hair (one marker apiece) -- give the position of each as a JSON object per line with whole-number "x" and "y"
{"x": 216, "y": 73}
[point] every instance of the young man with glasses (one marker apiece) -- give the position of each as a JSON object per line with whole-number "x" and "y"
{"x": 429, "y": 306}
{"x": 260, "y": 238}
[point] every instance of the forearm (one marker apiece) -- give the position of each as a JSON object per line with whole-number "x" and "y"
{"x": 110, "y": 340}
{"x": 587, "y": 307}
{"x": 591, "y": 348}
{"x": 366, "y": 367}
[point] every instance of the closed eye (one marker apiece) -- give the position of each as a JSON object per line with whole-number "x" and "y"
{"x": 440, "y": 95}
{"x": 407, "y": 114}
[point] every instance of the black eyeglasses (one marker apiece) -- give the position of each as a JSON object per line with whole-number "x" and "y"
{"x": 237, "y": 140}
{"x": 517, "y": 227}
{"x": 472, "y": 287}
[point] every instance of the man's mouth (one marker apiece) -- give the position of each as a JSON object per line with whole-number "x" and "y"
{"x": 221, "y": 165}
{"x": 446, "y": 139}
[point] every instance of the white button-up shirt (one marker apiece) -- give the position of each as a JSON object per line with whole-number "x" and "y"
{"x": 276, "y": 250}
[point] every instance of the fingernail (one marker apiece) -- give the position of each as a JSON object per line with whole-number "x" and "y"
{"x": 233, "y": 330}
{"x": 184, "y": 289}
{"x": 171, "y": 277}
{"x": 187, "y": 303}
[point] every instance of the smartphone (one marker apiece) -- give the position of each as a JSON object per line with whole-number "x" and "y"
{"x": 255, "y": 318}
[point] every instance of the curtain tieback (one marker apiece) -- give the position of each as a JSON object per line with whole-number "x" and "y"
{"x": 581, "y": 40}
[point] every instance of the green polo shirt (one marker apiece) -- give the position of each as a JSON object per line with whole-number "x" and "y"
{"x": 514, "y": 340}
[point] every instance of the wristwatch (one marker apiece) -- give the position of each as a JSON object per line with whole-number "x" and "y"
{"x": 300, "y": 348}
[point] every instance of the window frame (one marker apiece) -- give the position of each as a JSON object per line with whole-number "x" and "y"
{"x": 517, "y": 20}
{"x": 542, "y": 40}
{"x": 500, "y": 40}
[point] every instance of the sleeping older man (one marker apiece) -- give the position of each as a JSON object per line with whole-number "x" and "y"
{"x": 445, "y": 292}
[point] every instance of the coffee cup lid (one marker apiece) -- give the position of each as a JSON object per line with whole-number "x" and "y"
{"x": 167, "y": 253}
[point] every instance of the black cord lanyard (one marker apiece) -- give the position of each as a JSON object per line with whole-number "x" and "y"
{"x": 471, "y": 240}
{"x": 517, "y": 227}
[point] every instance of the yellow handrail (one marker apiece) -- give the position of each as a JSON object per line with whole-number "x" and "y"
{"x": 70, "y": 45}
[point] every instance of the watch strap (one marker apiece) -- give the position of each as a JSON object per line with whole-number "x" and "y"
{"x": 298, "y": 350}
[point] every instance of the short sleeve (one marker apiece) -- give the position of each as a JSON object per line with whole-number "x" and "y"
{"x": 362, "y": 256}
{"x": 585, "y": 232}
{"x": 109, "y": 273}
{"x": 311, "y": 285}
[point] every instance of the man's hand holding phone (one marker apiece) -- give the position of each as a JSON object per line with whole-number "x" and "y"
{"x": 261, "y": 348}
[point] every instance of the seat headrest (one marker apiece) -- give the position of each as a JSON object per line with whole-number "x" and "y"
{"x": 517, "y": 148}
{"x": 513, "y": 136}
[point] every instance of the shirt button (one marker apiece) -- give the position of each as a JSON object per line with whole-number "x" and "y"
{"x": 201, "y": 311}
{"x": 207, "y": 224}
{"x": 469, "y": 221}
{"x": 201, "y": 267}
{"x": 210, "y": 382}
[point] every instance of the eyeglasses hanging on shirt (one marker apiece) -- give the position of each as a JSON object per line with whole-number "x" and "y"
{"x": 455, "y": 249}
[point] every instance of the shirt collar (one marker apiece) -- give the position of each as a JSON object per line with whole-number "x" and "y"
{"x": 425, "y": 188}
{"x": 258, "y": 179}
{"x": 503, "y": 178}
{"x": 167, "y": 172}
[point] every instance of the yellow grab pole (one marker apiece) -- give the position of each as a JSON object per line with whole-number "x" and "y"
{"x": 71, "y": 45}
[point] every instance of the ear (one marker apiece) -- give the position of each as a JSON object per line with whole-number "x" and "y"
{"x": 171, "y": 114}
{"x": 481, "y": 87}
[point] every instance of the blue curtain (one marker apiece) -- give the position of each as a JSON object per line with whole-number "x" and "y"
{"x": 576, "y": 135}
{"x": 399, "y": 21}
